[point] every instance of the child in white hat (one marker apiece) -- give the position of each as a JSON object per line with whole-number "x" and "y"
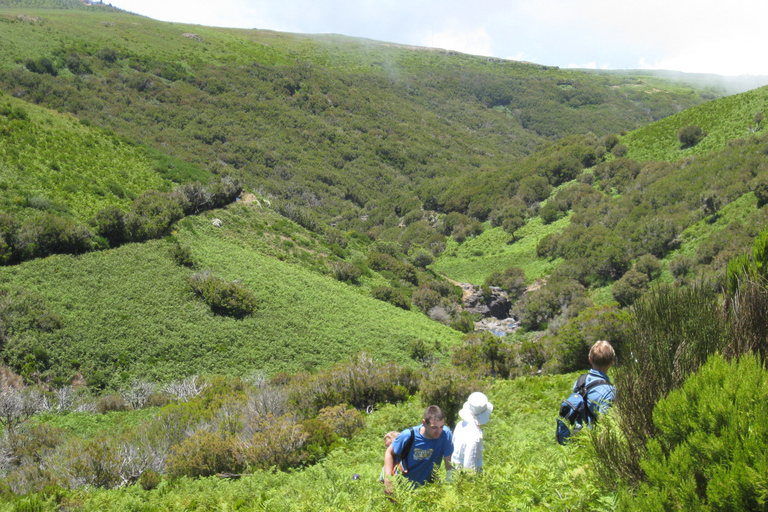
{"x": 468, "y": 434}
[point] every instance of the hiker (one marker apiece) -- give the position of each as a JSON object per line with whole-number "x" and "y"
{"x": 468, "y": 434}
{"x": 593, "y": 393}
{"x": 389, "y": 438}
{"x": 418, "y": 451}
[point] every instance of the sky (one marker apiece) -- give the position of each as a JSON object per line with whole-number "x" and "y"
{"x": 724, "y": 37}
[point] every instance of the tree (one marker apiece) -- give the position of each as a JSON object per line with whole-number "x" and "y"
{"x": 690, "y": 135}
{"x": 17, "y": 406}
{"x": 629, "y": 288}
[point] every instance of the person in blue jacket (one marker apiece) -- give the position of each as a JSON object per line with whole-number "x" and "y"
{"x": 432, "y": 444}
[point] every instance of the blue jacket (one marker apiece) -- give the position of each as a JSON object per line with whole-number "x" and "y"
{"x": 599, "y": 398}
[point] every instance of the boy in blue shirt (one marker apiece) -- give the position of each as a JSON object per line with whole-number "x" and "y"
{"x": 432, "y": 444}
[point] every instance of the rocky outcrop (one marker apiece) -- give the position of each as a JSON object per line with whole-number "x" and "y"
{"x": 495, "y": 305}
{"x": 494, "y": 308}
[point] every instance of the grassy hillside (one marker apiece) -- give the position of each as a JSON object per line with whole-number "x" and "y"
{"x": 51, "y": 161}
{"x": 722, "y": 121}
{"x": 341, "y": 126}
{"x": 524, "y": 469}
{"x": 130, "y": 312}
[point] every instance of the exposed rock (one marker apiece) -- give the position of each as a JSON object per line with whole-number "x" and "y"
{"x": 498, "y": 327}
{"x": 497, "y": 305}
{"x": 217, "y": 223}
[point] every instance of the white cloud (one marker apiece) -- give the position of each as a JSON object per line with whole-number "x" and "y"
{"x": 475, "y": 42}
{"x": 712, "y": 36}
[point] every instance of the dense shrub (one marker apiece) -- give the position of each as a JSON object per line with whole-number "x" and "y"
{"x": 462, "y": 322}
{"x": 391, "y": 295}
{"x": 360, "y": 382}
{"x": 568, "y": 350}
{"x": 447, "y": 388}
{"x": 110, "y": 224}
{"x": 484, "y": 355}
{"x": 151, "y": 215}
{"x": 672, "y": 332}
{"x": 649, "y": 265}
{"x": 9, "y": 231}
{"x": 342, "y": 420}
{"x": 224, "y": 298}
{"x": 205, "y": 454}
{"x": 511, "y": 280}
{"x": 380, "y": 261}
{"x": 346, "y": 271}
{"x": 711, "y": 447}
{"x": 690, "y": 135}
{"x": 425, "y": 298}
{"x": 629, "y": 288}
{"x": 52, "y": 234}
{"x": 278, "y": 443}
{"x": 182, "y": 255}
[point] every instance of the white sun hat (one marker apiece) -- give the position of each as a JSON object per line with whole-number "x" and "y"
{"x": 477, "y": 408}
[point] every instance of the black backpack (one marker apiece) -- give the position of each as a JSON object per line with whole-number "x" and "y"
{"x": 401, "y": 460}
{"x": 575, "y": 408}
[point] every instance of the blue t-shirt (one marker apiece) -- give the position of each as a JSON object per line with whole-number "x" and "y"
{"x": 425, "y": 455}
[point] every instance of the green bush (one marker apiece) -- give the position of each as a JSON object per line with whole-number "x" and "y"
{"x": 672, "y": 332}
{"x": 205, "y": 454}
{"x": 447, "y": 388}
{"x": 484, "y": 355}
{"x": 182, "y": 255}
{"x": 360, "y": 382}
{"x": 511, "y": 280}
{"x": 342, "y": 420}
{"x": 224, "y": 298}
{"x": 48, "y": 234}
{"x": 711, "y": 447}
{"x": 690, "y": 135}
{"x": 152, "y": 214}
{"x": 392, "y": 296}
{"x": 629, "y": 288}
{"x": 425, "y": 298}
{"x": 345, "y": 271}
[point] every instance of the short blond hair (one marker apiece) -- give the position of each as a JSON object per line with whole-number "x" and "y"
{"x": 602, "y": 355}
{"x": 389, "y": 437}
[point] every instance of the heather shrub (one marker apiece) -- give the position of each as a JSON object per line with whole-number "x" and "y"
{"x": 447, "y": 388}
{"x": 360, "y": 382}
{"x": 672, "y": 331}
{"x": 629, "y": 288}
{"x": 182, "y": 255}
{"x": 110, "y": 223}
{"x": 205, "y": 454}
{"x": 112, "y": 403}
{"x": 342, "y": 420}
{"x": 277, "y": 443}
{"x": 345, "y": 271}
{"x": 149, "y": 480}
{"x": 392, "y": 296}
{"x": 152, "y": 215}
{"x": 52, "y": 234}
{"x": 484, "y": 355}
{"x": 711, "y": 447}
{"x": 425, "y": 298}
{"x": 224, "y": 298}
{"x": 462, "y": 322}
{"x": 511, "y": 280}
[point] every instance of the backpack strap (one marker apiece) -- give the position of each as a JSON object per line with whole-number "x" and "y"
{"x": 402, "y": 459}
{"x": 584, "y": 392}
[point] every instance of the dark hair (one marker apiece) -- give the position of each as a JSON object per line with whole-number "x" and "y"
{"x": 433, "y": 413}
